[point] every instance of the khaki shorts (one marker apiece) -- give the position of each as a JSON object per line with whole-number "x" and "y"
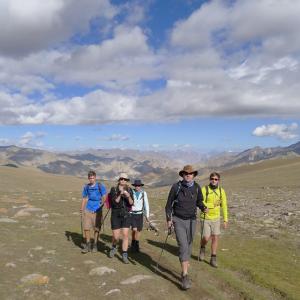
{"x": 92, "y": 220}
{"x": 211, "y": 227}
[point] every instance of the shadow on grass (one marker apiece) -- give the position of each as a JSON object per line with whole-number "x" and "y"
{"x": 164, "y": 272}
{"x": 170, "y": 248}
{"x": 75, "y": 237}
{"x": 78, "y": 241}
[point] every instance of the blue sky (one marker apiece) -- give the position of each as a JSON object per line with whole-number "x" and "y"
{"x": 160, "y": 75}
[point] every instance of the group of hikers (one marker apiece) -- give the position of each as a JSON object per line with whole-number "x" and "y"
{"x": 129, "y": 206}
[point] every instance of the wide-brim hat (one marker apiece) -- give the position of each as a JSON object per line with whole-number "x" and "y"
{"x": 123, "y": 175}
{"x": 137, "y": 182}
{"x": 188, "y": 169}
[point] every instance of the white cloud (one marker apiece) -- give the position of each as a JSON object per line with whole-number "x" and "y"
{"x": 281, "y": 131}
{"x": 40, "y": 24}
{"x": 4, "y": 141}
{"x": 31, "y": 139}
{"x": 117, "y": 137}
{"x": 218, "y": 62}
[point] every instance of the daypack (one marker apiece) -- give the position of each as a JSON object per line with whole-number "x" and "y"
{"x": 99, "y": 188}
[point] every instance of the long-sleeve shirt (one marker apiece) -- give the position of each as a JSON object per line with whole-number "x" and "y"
{"x": 214, "y": 200}
{"x": 184, "y": 200}
{"x": 140, "y": 203}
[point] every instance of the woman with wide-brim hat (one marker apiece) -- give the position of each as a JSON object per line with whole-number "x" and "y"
{"x": 181, "y": 212}
{"x": 121, "y": 200}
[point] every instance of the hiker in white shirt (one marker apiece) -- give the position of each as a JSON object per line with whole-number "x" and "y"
{"x": 139, "y": 209}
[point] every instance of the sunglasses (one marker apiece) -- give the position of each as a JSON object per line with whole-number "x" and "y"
{"x": 214, "y": 179}
{"x": 126, "y": 179}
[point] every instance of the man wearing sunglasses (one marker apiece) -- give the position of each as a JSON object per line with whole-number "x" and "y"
{"x": 214, "y": 199}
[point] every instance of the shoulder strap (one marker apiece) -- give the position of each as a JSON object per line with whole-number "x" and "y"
{"x": 99, "y": 188}
{"x": 206, "y": 190}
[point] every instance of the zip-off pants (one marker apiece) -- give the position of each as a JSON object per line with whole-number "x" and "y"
{"x": 185, "y": 231}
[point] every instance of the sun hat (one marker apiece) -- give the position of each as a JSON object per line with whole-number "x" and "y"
{"x": 188, "y": 169}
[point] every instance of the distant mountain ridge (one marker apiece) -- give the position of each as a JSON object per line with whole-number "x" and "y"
{"x": 154, "y": 167}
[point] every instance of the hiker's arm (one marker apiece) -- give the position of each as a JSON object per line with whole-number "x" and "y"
{"x": 168, "y": 208}
{"x": 146, "y": 207}
{"x": 128, "y": 196}
{"x": 224, "y": 208}
{"x": 83, "y": 204}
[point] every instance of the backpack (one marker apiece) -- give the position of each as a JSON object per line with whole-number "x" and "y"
{"x": 220, "y": 190}
{"x": 179, "y": 188}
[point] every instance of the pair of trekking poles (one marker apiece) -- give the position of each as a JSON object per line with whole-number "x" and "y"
{"x": 170, "y": 231}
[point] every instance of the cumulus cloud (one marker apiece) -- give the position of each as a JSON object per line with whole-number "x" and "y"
{"x": 217, "y": 62}
{"x": 31, "y": 139}
{"x": 281, "y": 131}
{"x": 40, "y": 24}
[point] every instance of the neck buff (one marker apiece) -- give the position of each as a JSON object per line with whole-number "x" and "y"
{"x": 188, "y": 184}
{"x": 213, "y": 187}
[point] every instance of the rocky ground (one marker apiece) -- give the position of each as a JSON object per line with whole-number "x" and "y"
{"x": 40, "y": 251}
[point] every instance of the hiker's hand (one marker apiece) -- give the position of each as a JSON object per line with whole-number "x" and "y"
{"x": 126, "y": 194}
{"x": 147, "y": 220}
{"x": 206, "y": 210}
{"x": 225, "y": 225}
{"x": 169, "y": 224}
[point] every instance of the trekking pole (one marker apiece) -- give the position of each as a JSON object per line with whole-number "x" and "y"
{"x": 81, "y": 227}
{"x": 201, "y": 236}
{"x": 104, "y": 219}
{"x": 170, "y": 229}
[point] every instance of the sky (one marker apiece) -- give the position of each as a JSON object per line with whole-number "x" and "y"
{"x": 149, "y": 75}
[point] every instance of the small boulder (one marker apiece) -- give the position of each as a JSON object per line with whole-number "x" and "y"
{"x": 35, "y": 279}
{"x": 135, "y": 279}
{"x": 101, "y": 271}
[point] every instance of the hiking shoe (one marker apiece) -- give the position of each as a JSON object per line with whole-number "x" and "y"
{"x": 125, "y": 258}
{"x": 202, "y": 254}
{"x": 185, "y": 282}
{"x": 133, "y": 246}
{"x": 94, "y": 248}
{"x": 112, "y": 252}
{"x": 137, "y": 246}
{"x": 213, "y": 261}
{"x": 86, "y": 248}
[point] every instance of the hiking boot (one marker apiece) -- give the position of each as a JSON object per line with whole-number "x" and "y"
{"x": 125, "y": 258}
{"x": 133, "y": 246}
{"x": 86, "y": 248}
{"x": 202, "y": 254}
{"x": 137, "y": 246}
{"x": 213, "y": 261}
{"x": 185, "y": 282}
{"x": 94, "y": 248}
{"x": 112, "y": 252}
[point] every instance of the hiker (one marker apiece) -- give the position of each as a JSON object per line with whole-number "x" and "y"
{"x": 181, "y": 211}
{"x": 121, "y": 201}
{"x": 91, "y": 211}
{"x": 214, "y": 198}
{"x": 139, "y": 209}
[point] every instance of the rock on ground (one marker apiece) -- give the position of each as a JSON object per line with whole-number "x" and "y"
{"x": 35, "y": 279}
{"x": 135, "y": 279}
{"x": 101, "y": 271}
{"x": 7, "y": 220}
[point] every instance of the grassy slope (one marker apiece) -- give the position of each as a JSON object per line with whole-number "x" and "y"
{"x": 250, "y": 267}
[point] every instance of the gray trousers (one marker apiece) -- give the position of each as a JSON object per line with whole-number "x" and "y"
{"x": 185, "y": 231}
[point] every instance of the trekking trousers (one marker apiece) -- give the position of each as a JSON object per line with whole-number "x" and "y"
{"x": 185, "y": 231}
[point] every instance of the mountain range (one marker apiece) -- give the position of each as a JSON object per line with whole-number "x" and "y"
{"x": 154, "y": 167}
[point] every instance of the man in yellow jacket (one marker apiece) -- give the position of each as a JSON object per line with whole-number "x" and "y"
{"x": 214, "y": 198}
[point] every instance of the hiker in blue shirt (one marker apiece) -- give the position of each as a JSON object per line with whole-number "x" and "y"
{"x": 91, "y": 209}
{"x": 139, "y": 209}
